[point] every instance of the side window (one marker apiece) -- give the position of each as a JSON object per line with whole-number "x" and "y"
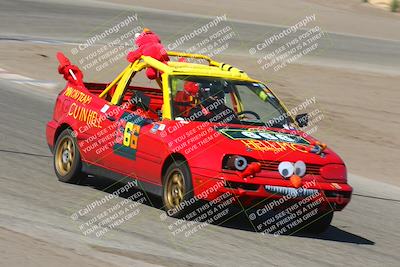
{"x": 143, "y": 97}
{"x": 182, "y": 100}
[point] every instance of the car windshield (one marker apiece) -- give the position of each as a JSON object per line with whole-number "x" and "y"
{"x": 221, "y": 100}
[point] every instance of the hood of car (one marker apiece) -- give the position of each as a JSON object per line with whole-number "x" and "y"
{"x": 275, "y": 144}
{"x": 212, "y": 140}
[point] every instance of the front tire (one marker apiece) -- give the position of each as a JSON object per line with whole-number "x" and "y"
{"x": 177, "y": 189}
{"x": 320, "y": 225}
{"x": 67, "y": 159}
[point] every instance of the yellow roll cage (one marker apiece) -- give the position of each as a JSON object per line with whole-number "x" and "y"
{"x": 213, "y": 69}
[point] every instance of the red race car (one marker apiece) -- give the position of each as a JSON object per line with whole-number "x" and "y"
{"x": 207, "y": 129}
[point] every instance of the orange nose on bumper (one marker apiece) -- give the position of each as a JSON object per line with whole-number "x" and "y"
{"x": 296, "y": 181}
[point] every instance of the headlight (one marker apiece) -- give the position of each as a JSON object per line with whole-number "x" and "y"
{"x": 286, "y": 169}
{"x": 334, "y": 171}
{"x": 235, "y": 162}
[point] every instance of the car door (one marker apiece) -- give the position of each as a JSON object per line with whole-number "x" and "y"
{"x": 137, "y": 150}
{"x": 99, "y": 134}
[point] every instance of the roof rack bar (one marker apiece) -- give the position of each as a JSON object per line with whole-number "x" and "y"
{"x": 211, "y": 62}
{"x": 182, "y": 54}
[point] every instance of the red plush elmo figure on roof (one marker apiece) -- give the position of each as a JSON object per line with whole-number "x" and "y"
{"x": 71, "y": 72}
{"x": 149, "y": 44}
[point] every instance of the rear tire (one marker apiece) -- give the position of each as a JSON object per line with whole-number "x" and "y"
{"x": 177, "y": 189}
{"x": 67, "y": 159}
{"x": 320, "y": 225}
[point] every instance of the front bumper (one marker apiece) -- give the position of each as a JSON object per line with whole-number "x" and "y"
{"x": 210, "y": 185}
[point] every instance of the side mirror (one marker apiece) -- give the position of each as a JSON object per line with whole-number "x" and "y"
{"x": 302, "y": 119}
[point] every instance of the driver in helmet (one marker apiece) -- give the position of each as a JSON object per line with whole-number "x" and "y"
{"x": 211, "y": 104}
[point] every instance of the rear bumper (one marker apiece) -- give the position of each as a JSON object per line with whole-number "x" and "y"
{"x": 51, "y": 128}
{"x": 210, "y": 185}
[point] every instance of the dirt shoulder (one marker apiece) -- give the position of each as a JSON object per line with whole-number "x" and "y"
{"x": 343, "y": 16}
{"x": 383, "y": 4}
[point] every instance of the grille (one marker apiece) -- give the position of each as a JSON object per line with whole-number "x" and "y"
{"x": 294, "y": 192}
{"x": 236, "y": 185}
{"x": 312, "y": 169}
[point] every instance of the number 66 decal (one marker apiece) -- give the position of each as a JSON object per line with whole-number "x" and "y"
{"x": 127, "y": 135}
{"x": 131, "y": 134}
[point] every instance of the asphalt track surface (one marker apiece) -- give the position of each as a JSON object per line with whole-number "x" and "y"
{"x": 35, "y": 204}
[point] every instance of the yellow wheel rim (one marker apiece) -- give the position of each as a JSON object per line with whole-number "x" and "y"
{"x": 175, "y": 190}
{"x": 65, "y": 154}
